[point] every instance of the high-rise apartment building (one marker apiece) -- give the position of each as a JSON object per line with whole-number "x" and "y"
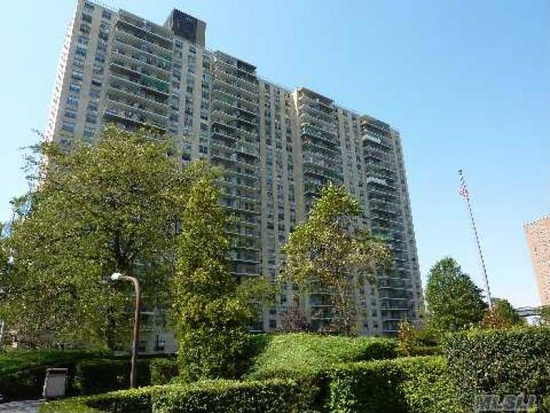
{"x": 538, "y": 239}
{"x": 278, "y": 147}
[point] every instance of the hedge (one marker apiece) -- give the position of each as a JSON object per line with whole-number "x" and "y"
{"x": 162, "y": 371}
{"x": 104, "y": 375}
{"x": 407, "y": 385}
{"x": 500, "y": 362}
{"x": 122, "y": 401}
{"x": 22, "y": 372}
{"x": 272, "y": 396}
{"x": 288, "y": 355}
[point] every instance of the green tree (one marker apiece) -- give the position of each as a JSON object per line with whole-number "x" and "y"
{"x": 502, "y": 315}
{"x": 453, "y": 300}
{"x": 408, "y": 338}
{"x": 112, "y": 206}
{"x": 544, "y": 315}
{"x": 328, "y": 252}
{"x": 208, "y": 310}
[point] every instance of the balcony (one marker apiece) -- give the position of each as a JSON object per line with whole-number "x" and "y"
{"x": 159, "y": 118}
{"x": 144, "y": 82}
{"x": 128, "y": 59}
{"x": 132, "y": 117}
{"x": 125, "y": 36}
{"x": 225, "y": 85}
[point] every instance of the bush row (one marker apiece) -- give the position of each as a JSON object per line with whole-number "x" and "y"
{"x": 88, "y": 374}
{"x": 291, "y": 355}
{"x": 499, "y": 362}
{"x": 411, "y": 385}
{"x": 272, "y": 396}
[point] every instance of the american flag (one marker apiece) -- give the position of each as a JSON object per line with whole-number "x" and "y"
{"x": 463, "y": 191}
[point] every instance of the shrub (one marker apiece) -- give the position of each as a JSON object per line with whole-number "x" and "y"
{"x": 412, "y": 385}
{"x": 288, "y": 355}
{"x": 500, "y": 362}
{"x": 22, "y": 372}
{"x": 123, "y": 401}
{"x": 163, "y": 370}
{"x": 104, "y": 375}
{"x": 308, "y": 358}
{"x": 272, "y": 396}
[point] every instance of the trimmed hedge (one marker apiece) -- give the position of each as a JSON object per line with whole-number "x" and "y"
{"x": 407, "y": 385}
{"x": 272, "y": 396}
{"x": 289, "y": 355}
{"x": 22, "y": 372}
{"x": 163, "y": 370}
{"x": 500, "y": 362}
{"x": 104, "y": 375}
{"x": 123, "y": 401}
{"x": 308, "y": 358}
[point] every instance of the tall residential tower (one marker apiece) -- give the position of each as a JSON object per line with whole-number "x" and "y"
{"x": 538, "y": 239}
{"x": 278, "y": 147}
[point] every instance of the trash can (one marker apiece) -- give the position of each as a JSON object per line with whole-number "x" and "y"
{"x": 55, "y": 384}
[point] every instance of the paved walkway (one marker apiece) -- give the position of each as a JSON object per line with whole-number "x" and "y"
{"x": 25, "y": 406}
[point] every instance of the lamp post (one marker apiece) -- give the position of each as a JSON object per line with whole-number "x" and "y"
{"x": 118, "y": 276}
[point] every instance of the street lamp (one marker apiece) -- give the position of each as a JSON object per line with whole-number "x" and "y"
{"x": 118, "y": 276}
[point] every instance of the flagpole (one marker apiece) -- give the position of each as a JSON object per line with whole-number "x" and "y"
{"x": 464, "y": 192}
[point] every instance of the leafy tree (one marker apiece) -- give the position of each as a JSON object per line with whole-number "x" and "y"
{"x": 209, "y": 311}
{"x": 502, "y": 315}
{"x": 453, "y": 300}
{"x": 329, "y": 253}
{"x": 408, "y": 338}
{"x": 544, "y": 315}
{"x": 112, "y": 206}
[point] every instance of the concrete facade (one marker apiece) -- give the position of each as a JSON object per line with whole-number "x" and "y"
{"x": 538, "y": 239}
{"x": 277, "y": 146}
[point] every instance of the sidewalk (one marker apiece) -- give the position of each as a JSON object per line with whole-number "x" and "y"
{"x": 24, "y": 406}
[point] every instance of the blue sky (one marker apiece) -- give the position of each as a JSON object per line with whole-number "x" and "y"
{"x": 466, "y": 82}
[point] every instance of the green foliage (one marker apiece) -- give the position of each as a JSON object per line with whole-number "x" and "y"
{"x": 208, "y": 313}
{"x": 454, "y": 301}
{"x": 295, "y": 355}
{"x": 275, "y": 396}
{"x": 22, "y": 373}
{"x": 325, "y": 253}
{"x": 124, "y": 401}
{"x": 502, "y": 315}
{"x": 97, "y": 209}
{"x": 271, "y": 396}
{"x": 409, "y": 385}
{"x": 104, "y": 375}
{"x": 163, "y": 370}
{"x": 308, "y": 359}
{"x": 500, "y": 362}
{"x": 407, "y": 339}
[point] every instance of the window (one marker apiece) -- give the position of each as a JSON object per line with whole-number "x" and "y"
{"x": 74, "y": 88}
{"x": 80, "y": 51}
{"x": 100, "y": 58}
{"x": 86, "y": 18}
{"x": 68, "y": 126}
{"x": 70, "y": 113}
{"x": 82, "y": 39}
{"x": 88, "y": 6}
{"x": 72, "y": 100}
{"x": 77, "y": 74}
{"x": 106, "y": 14}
